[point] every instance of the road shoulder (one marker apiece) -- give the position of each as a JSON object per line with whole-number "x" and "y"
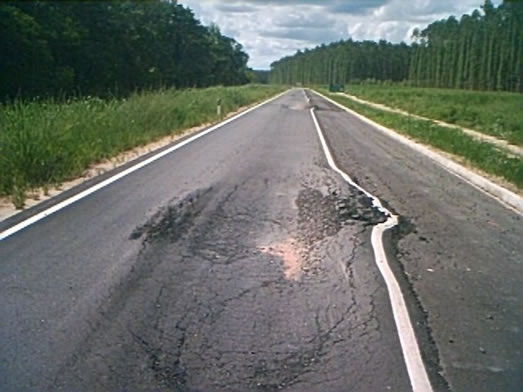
{"x": 505, "y": 196}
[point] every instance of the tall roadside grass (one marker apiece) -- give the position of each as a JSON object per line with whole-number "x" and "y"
{"x": 46, "y": 143}
{"x": 479, "y": 154}
{"x": 495, "y": 113}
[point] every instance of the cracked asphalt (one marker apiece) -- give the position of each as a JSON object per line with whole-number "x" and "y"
{"x": 458, "y": 255}
{"x": 241, "y": 262}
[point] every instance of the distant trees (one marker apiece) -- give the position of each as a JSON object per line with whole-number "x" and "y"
{"x": 480, "y": 51}
{"x": 50, "y": 48}
{"x": 259, "y": 76}
{"x": 342, "y": 62}
{"x": 483, "y": 50}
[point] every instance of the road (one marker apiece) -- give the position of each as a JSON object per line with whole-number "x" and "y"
{"x": 243, "y": 262}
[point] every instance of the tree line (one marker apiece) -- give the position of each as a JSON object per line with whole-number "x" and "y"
{"x": 483, "y": 50}
{"x": 344, "y": 61}
{"x": 64, "y": 48}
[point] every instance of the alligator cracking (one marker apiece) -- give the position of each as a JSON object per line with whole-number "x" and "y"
{"x": 320, "y": 216}
{"x": 207, "y": 308}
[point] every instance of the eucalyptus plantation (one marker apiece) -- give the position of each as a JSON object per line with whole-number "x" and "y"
{"x": 480, "y": 51}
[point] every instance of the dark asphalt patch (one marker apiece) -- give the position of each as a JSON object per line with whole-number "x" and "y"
{"x": 171, "y": 221}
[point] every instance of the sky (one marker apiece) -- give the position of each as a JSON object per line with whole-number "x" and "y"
{"x": 272, "y": 29}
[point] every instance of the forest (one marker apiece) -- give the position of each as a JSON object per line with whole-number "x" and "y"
{"x": 111, "y": 48}
{"x": 480, "y": 51}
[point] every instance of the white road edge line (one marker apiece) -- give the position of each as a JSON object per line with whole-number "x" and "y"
{"x": 306, "y": 97}
{"x": 411, "y": 353}
{"x": 57, "y": 207}
{"x": 505, "y": 197}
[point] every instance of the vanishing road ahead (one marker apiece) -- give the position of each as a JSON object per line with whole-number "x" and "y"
{"x": 243, "y": 262}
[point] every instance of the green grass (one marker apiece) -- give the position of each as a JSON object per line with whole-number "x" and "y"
{"x": 495, "y": 113}
{"x": 479, "y": 154}
{"x": 46, "y": 143}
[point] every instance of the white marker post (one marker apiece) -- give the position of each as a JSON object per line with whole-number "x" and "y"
{"x": 219, "y": 107}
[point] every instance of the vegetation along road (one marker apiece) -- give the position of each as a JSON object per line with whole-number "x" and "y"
{"x": 242, "y": 261}
{"x": 345, "y": 218}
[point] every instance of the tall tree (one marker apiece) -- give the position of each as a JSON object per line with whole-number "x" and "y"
{"x": 111, "y": 47}
{"x": 482, "y": 50}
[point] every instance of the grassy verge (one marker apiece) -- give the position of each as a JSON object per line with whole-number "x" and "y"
{"x": 479, "y": 154}
{"x": 46, "y": 143}
{"x": 494, "y": 113}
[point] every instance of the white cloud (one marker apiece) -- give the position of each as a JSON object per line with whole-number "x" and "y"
{"x": 271, "y": 29}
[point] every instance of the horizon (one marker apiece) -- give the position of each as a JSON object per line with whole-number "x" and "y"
{"x": 271, "y": 29}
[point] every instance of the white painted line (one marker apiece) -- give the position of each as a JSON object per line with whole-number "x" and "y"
{"x": 507, "y": 198}
{"x": 306, "y": 97}
{"x": 411, "y": 353}
{"x": 57, "y": 207}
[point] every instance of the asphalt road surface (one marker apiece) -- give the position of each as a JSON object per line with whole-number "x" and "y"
{"x": 242, "y": 262}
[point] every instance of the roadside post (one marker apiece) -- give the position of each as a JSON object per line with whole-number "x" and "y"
{"x": 219, "y": 107}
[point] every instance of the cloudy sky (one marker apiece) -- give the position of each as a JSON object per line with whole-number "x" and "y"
{"x": 271, "y": 29}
